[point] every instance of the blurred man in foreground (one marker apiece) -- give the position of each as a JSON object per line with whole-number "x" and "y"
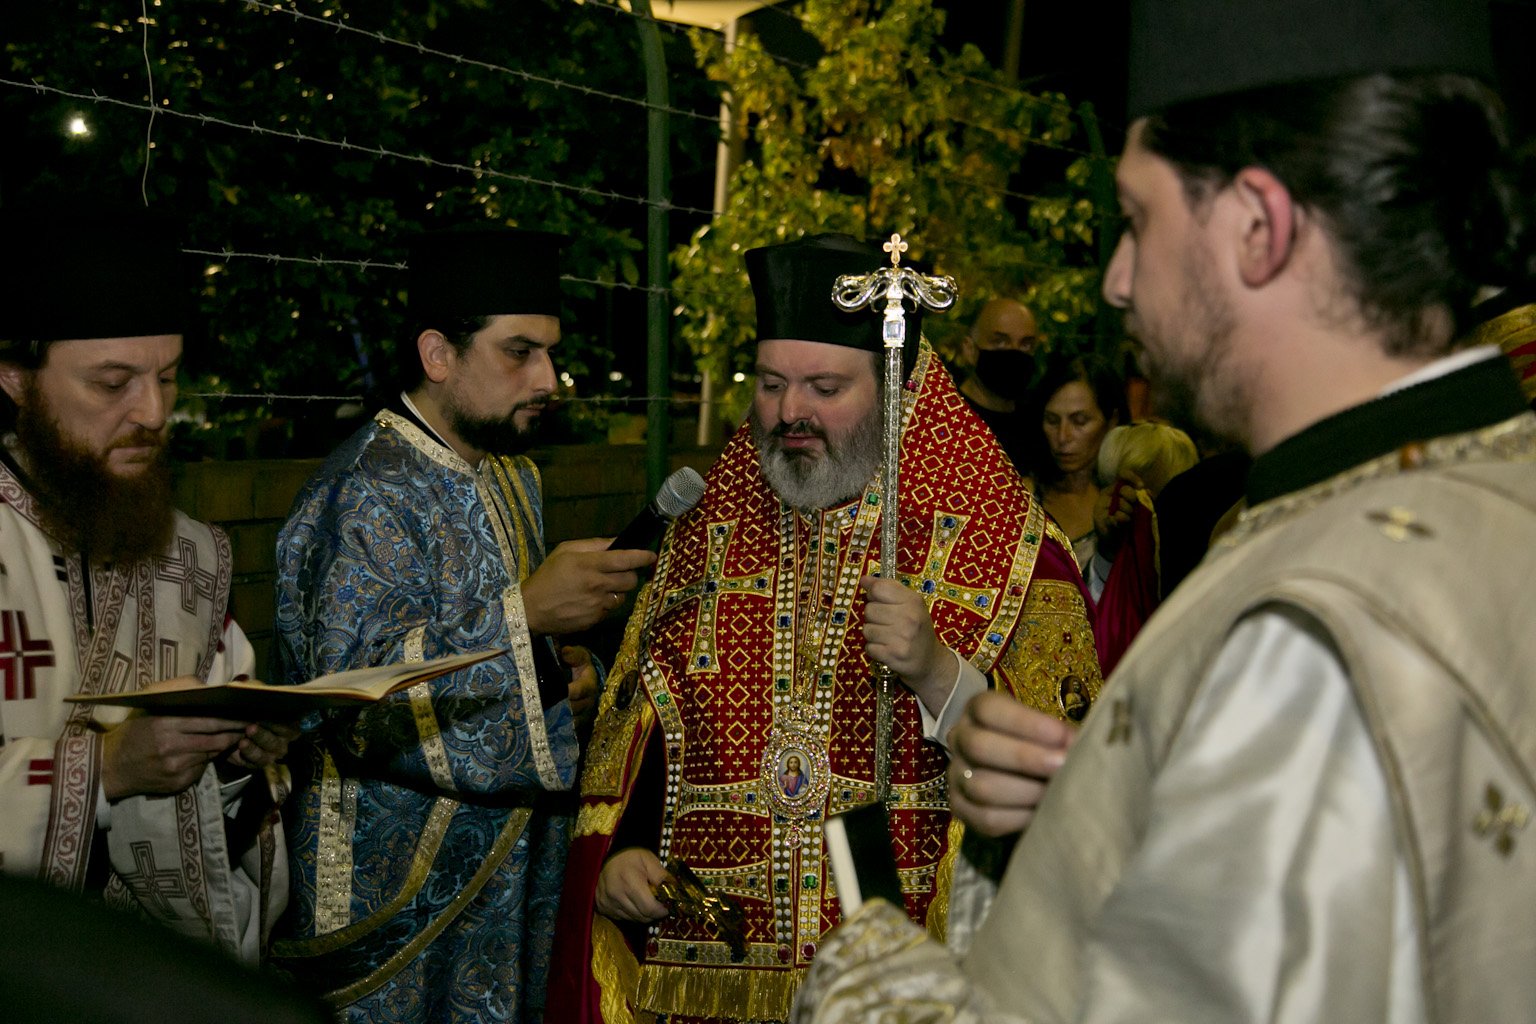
{"x": 1304, "y": 794}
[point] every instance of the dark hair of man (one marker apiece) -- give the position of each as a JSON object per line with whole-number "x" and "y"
{"x": 460, "y": 332}
{"x": 1411, "y": 176}
{"x": 25, "y": 355}
{"x": 1062, "y": 369}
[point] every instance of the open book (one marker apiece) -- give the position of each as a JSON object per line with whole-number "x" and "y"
{"x": 259, "y": 702}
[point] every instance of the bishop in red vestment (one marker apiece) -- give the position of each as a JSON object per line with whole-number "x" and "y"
{"x": 749, "y": 658}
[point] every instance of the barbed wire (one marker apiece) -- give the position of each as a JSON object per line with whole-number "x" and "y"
{"x": 343, "y": 144}
{"x": 149, "y": 74}
{"x": 326, "y": 261}
{"x": 423, "y": 160}
{"x": 714, "y": 292}
{"x": 1026, "y": 94}
{"x": 272, "y": 257}
{"x": 1032, "y": 141}
{"x": 270, "y": 396}
{"x": 1104, "y": 215}
{"x": 274, "y": 396}
{"x": 458, "y": 58}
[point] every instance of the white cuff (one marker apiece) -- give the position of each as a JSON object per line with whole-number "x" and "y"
{"x": 1098, "y": 574}
{"x": 968, "y": 683}
{"x": 229, "y": 793}
{"x": 103, "y": 807}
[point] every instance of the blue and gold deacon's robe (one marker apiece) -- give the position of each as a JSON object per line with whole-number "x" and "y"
{"x": 429, "y": 829}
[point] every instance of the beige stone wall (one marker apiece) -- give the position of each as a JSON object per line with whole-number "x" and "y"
{"x": 589, "y": 491}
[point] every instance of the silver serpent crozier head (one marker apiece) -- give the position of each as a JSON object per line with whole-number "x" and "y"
{"x": 857, "y": 291}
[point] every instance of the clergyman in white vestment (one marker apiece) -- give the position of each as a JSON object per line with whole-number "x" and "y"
{"x": 105, "y": 587}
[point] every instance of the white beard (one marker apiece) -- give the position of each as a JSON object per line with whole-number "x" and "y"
{"x": 821, "y": 481}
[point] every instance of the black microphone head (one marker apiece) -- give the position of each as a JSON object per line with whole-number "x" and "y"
{"x": 679, "y": 492}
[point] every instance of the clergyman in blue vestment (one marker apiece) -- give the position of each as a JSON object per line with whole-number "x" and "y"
{"x": 431, "y": 828}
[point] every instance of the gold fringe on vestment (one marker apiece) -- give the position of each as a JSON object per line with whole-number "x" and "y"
{"x": 749, "y": 993}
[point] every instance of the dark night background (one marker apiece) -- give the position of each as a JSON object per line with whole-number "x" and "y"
{"x": 298, "y": 204}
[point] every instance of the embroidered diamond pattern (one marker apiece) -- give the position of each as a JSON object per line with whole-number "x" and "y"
{"x": 737, "y": 732}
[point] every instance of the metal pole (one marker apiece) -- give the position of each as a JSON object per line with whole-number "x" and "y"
{"x": 728, "y": 153}
{"x": 1013, "y": 41}
{"x": 658, "y": 421}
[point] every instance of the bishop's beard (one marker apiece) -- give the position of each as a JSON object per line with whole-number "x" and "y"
{"x": 83, "y": 504}
{"x": 823, "y": 480}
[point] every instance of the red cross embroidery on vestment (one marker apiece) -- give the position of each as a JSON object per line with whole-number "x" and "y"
{"x": 21, "y": 656}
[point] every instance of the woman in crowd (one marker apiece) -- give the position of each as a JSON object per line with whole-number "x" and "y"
{"x": 1078, "y": 400}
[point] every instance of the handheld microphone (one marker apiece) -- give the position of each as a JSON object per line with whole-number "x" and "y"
{"x": 679, "y": 493}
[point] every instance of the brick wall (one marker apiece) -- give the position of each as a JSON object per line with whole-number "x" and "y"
{"x": 589, "y": 491}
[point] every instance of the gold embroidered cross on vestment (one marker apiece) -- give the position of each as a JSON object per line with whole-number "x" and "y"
{"x": 1500, "y": 820}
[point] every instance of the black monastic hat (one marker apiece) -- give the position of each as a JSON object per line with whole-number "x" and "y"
{"x": 1193, "y": 49}
{"x": 484, "y": 272}
{"x": 118, "y": 274}
{"x": 792, "y": 283}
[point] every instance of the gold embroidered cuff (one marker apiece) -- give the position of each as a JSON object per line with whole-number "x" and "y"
{"x": 528, "y": 681}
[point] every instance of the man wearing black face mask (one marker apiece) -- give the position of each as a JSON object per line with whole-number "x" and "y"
{"x": 1000, "y": 348}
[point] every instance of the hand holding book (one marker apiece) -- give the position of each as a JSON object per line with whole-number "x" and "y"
{"x": 253, "y": 701}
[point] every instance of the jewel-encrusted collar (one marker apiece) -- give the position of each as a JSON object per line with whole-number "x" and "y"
{"x": 1465, "y": 400}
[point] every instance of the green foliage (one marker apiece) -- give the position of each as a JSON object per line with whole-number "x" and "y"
{"x": 889, "y": 132}
{"x": 303, "y": 328}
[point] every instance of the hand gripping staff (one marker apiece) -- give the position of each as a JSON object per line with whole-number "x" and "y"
{"x": 853, "y": 292}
